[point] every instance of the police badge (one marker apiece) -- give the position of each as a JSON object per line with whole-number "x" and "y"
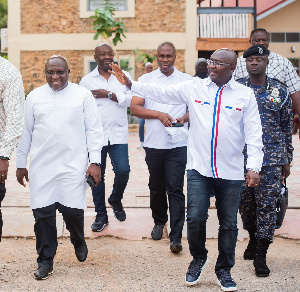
{"x": 275, "y": 92}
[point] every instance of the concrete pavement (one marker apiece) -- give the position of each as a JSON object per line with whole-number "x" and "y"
{"x": 18, "y": 219}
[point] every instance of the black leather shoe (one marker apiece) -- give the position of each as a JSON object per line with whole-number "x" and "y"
{"x": 175, "y": 247}
{"x": 99, "y": 223}
{"x": 118, "y": 210}
{"x": 157, "y": 231}
{"x": 81, "y": 251}
{"x": 43, "y": 272}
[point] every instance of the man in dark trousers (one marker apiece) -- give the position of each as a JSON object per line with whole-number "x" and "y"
{"x": 62, "y": 133}
{"x": 257, "y": 206}
{"x": 112, "y": 101}
{"x": 166, "y": 159}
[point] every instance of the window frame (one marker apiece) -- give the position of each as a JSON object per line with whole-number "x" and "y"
{"x": 130, "y": 13}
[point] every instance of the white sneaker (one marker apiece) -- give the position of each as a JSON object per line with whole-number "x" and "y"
{"x": 140, "y": 145}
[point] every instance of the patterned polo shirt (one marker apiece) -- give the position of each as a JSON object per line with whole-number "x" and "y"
{"x": 11, "y": 107}
{"x": 279, "y": 67}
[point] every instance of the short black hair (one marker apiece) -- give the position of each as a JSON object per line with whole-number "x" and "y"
{"x": 166, "y": 43}
{"x": 258, "y": 29}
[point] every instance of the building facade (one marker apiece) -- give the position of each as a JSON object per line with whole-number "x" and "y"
{"x": 38, "y": 29}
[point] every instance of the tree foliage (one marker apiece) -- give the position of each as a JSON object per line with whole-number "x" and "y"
{"x": 105, "y": 24}
{"x": 3, "y": 13}
{"x": 144, "y": 57}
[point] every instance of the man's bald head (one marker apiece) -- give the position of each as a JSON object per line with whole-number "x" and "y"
{"x": 229, "y": 55}
{"x": 221, "y": 66}
{"x": 58, "y": 57}
{"x": 166, "y": 44}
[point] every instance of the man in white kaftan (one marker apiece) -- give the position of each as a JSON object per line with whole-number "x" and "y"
{"x": 62, "y": 131}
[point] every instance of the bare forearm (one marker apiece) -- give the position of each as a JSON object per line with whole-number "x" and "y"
{"x": 143, "y": 113}
{"x": 296, "y": 102}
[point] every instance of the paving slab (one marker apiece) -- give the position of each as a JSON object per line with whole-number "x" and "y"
{"x": 18, "y": 218}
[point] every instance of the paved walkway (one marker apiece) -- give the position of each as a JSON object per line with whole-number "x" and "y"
{"x": 18, "y": 219}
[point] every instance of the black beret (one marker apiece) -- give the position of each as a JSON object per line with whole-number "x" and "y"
{"x": 256, "y": 50}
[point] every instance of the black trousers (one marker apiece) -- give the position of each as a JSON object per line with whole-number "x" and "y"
{"x": 166, "y": 168}
{"x": 2, "y": 195}
{"x": 46, "y": 232}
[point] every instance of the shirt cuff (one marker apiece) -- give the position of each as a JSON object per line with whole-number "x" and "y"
{"x": 95, "y": 156}
{"x": 120, "y": 97}
{"x": 21, "y": 161}
{"x": 135, "y": 86}
{"x": 253, "y": 162}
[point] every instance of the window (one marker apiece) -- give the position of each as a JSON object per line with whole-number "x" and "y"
{"x": 125, "y": 8}
{"x": 284, "y": 37}
{"x": 91, "y": 66}
{"x": 120, "y": 5}
{"x": 277, "y": 37}
{"x": 292, "y": 37}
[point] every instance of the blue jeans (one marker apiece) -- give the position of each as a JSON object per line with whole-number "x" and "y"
{"x": 141, "y": 129}
{"x": 227, "y": 193}
{"x": 118, "y": 154}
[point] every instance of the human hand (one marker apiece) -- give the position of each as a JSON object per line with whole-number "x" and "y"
{"x": 99, "y": 93}
{"x": 122, "y": 78}
{"x": 286, "y": 170}
{"x": 252, "y": 179}
{"x": 95, "y": 171}
{"x": 165, "y": 119}
{"x": 180, "y": 120}
{"x": 20, "y": 174}
{"x": 4, "y": 164}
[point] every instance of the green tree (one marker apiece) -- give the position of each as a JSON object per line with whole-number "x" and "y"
{"x": 3, "y": 13}
{"x": 144, "y": 57}
{"x": 3, "y": 19}
{"x": 107, "y": 27}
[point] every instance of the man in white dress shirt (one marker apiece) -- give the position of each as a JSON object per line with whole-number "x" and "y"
{"x": 62, "y": 132}
{"x": 112, "y": 100}
{"x": 223, "y": 117}
{"x": 11, "y": 119}
{"x": 166, "y": 160}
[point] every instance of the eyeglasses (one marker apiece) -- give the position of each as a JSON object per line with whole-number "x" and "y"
{"x": 58, "y": 73}
{"x": 216, "y": 63}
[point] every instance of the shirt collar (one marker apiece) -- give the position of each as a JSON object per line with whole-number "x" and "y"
{"x": 231, "y": 83}
{"x": 160, "y": 74}
{"x": 95, "y": 72}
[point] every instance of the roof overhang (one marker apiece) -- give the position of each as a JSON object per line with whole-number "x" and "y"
{"x": 274, "y": 9}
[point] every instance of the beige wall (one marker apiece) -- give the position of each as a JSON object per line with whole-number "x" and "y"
{"x": 33, "y": 62}
{"x": 38, "y": 28}
{"x": 286, "y": 19}
{"x": 62, "y": 16}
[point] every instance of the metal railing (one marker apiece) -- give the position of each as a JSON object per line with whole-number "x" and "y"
{"x": 217, "y": 21}
{"x": 224, "y": 25}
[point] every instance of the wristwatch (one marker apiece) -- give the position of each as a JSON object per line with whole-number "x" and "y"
{"x": 98, "y": 164}
{"x": 4, "y": 158}
{"x": 110, "y": 95}
{"x": 254, "y": 169}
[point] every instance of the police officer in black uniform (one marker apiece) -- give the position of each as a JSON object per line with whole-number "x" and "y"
{"x": 257, "y": 207}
